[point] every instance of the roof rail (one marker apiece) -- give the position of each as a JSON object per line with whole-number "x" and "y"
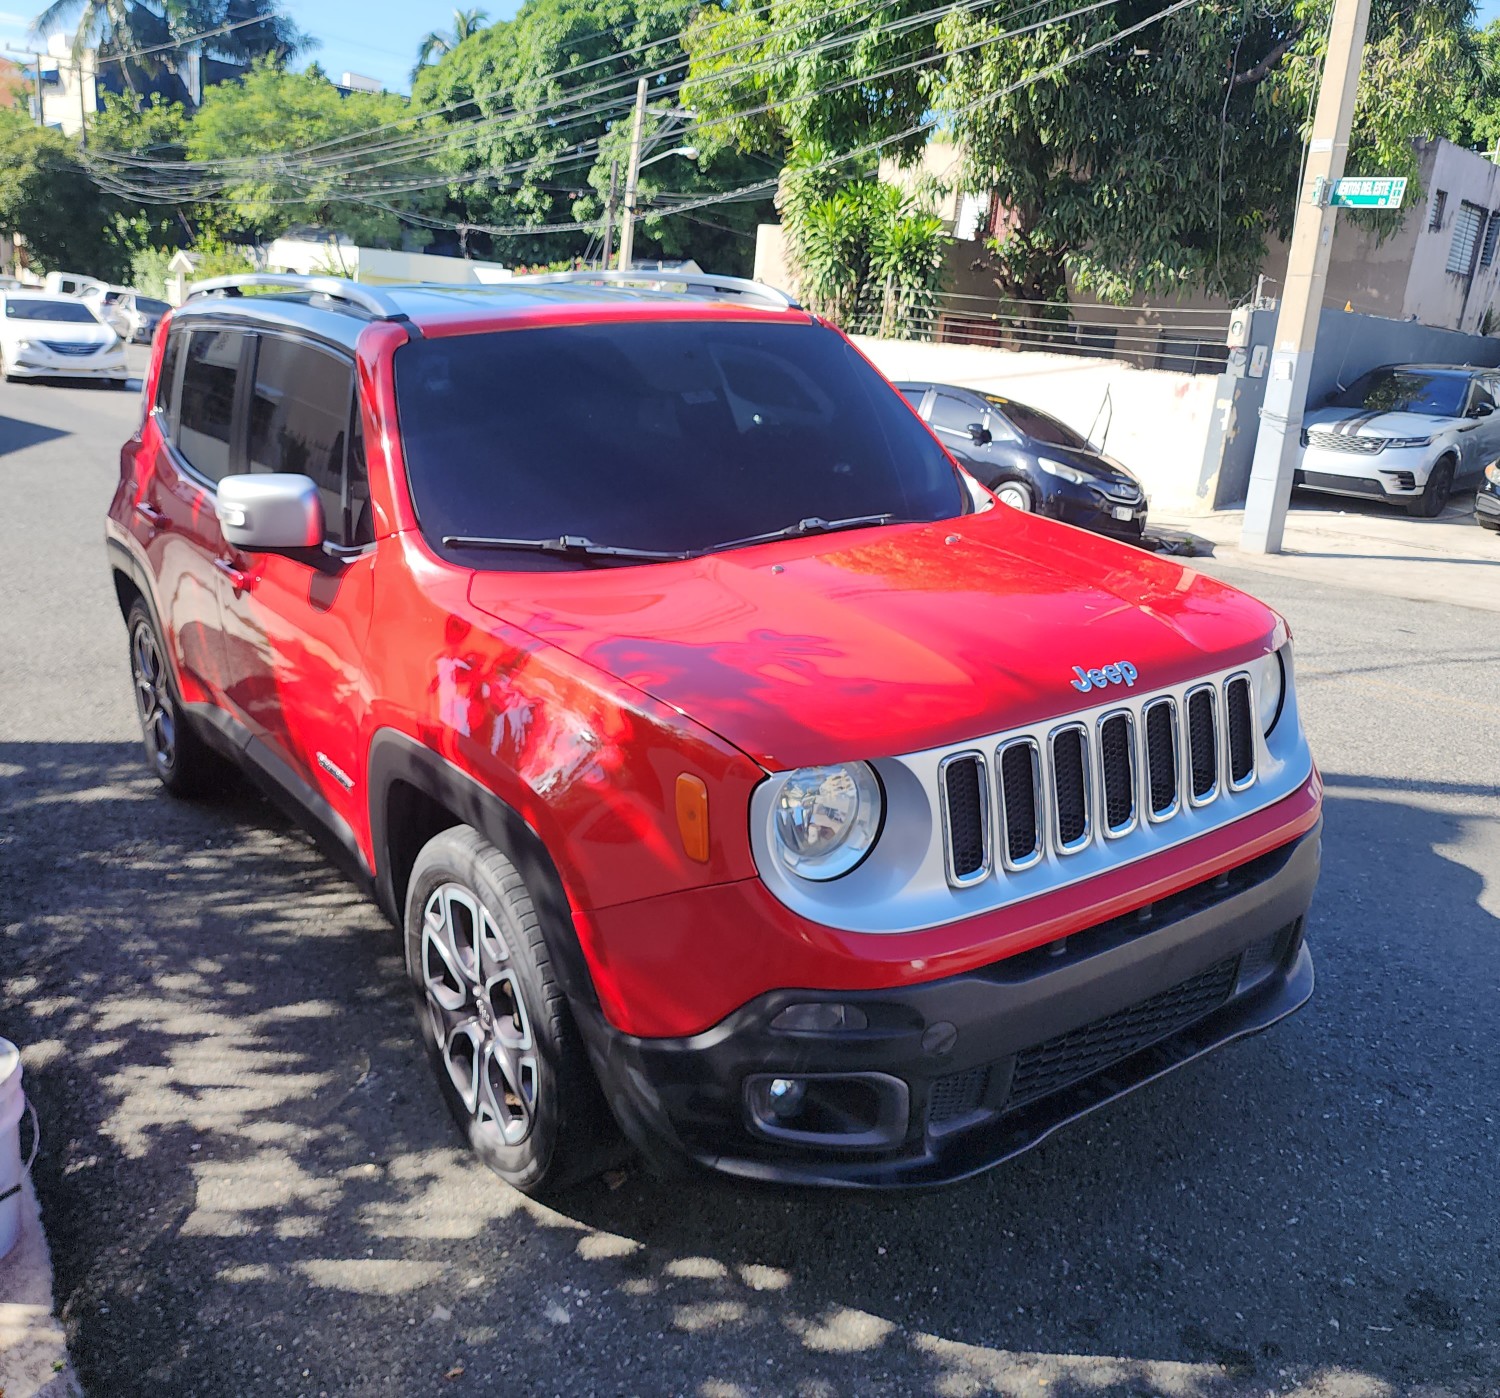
{"x": 693, "y": 283}
{"x": 372, "y": 302}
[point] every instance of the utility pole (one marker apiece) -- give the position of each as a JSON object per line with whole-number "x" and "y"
{"x": 609, "y": 211}
{"x": 1278, "y": 443}
{"x": 632, "y": 175}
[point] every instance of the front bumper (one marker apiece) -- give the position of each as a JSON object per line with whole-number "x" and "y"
{"x": 37, "y": 364}
{"x": 951, "y": 1077}
{"x": 1087, "y": 509}
{"x": 1391, "y": 474}
{"x": 1487, "y": 507}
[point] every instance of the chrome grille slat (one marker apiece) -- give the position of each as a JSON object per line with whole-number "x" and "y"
{"x": 964, "y": 781}
{"x": 1019, "y": 772}
{"x": 1071, "y": 796}
{"x": 1203, "y": 744}
{"x": 1117, "y": 768}
{"x": 1239, "y": 729}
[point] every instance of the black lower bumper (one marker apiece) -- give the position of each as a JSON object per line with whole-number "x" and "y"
{"x": 943, "y": 1080}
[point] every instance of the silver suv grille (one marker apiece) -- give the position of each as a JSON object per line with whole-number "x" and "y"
{"x": 1337, "y": 441}
{"x": 1095, "y": 782}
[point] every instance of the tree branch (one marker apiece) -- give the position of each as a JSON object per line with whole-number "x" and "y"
{"x": 1262, "y": 70}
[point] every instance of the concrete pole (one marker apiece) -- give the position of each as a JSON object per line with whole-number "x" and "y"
{"x": 1278, "y": 444}
{"x": 633, "y": 173}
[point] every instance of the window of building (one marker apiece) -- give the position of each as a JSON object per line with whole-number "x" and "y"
{"x": 299, "y": 420}
{"x": 205, "y": 410}
{"x": 1491, "y": 237}
{"x": 1439, "y": 208}
{"x": 1466, "y": 225}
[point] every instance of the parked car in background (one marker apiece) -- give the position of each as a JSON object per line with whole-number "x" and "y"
{"x": 70, "y": 283}
{"x": 796, "y": 805}
{"x": 1030, "y": 460}
{"x": 135, "y": 316}
{"x": 1487, "y": 499}
{"x": 1405, "y": 433}
{"x": 57, "y": 336}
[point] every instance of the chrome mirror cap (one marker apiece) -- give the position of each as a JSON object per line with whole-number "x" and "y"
{"x": 270, "y": 511}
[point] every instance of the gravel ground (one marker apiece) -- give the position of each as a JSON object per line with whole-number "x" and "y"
{"x": 250, "y": 1185}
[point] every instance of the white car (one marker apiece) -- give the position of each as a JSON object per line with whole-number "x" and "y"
{"x": 46, "y": 336}
{"x": 1404, "y": 433}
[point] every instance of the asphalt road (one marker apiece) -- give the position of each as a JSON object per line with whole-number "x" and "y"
{"x": 251, "y": 1187}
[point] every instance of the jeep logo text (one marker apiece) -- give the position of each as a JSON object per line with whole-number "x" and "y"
{"x": 1121, "y": 672}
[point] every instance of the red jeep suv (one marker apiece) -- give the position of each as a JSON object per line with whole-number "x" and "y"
{"x": 738, "y": 770}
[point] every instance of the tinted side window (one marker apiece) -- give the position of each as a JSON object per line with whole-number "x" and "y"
{"x": 299, "y": 419}
{"x": 205, "y": 414}
{"x": 166, "y": 384}
{"x": 360, "y": 527}
{"x": 1480, "y": 395}
{"x": 953, "y": 414}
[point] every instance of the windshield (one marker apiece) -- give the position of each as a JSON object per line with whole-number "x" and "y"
{"x": 1037, "y": 425}
{"x": 70, "y": 311}
{"x": 1405, "y": 391}
{"x": 660, "y": 435}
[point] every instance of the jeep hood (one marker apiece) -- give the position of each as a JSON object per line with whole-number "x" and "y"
{"x": 888, "y": 640}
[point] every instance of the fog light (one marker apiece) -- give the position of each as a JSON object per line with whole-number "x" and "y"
{"x": 784, "y": 1096}
{"x": 821, "y": 1017}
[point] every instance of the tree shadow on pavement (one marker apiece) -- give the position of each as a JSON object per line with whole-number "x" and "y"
{"x": 250, "y": 1184}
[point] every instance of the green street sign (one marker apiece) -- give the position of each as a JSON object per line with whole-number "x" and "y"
{"x": 1380, "y": 193}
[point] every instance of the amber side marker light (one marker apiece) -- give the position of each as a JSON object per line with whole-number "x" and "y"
{"x": 692, "y": 816}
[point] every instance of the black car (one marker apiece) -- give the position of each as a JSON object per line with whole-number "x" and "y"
{"x": 1487, "y": 498}
{"x": 1030, "y": 460}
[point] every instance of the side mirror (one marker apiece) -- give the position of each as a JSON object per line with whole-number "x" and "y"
{"x": 265, "y": 513}
{"x": 1482, "y": 410}
{"x": 979, "y": 434}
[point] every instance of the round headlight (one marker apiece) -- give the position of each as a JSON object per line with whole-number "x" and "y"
{"x": 1272, "y": 692}
{"x": 826, "y": 819}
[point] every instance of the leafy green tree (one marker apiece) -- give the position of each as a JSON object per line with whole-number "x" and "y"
{"x": 466, "y": 24}
{"x": 48, "y": 199}
{"x": 1476, "y": 120}
{"x": 243, "y": 128}
{"x": 1136, "y": 160}
{"x": 540, "y": 109}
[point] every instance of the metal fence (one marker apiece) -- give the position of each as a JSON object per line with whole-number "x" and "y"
{"x": 1186, "y": 340}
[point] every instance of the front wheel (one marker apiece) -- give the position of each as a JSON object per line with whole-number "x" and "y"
{"x": 1429, "y": 504}
{"x": 509, "y": 1060}
{"x": 1016, "y": 495}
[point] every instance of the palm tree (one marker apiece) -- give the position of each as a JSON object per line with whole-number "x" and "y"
{"x": 466, "y": 23}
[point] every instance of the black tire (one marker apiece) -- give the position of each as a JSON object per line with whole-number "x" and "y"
{"x": 1429, "y": 504}
{"x": 494, "y": 1017}
{"x": 1016, "y": 494}
{"x": 182, "y": 761}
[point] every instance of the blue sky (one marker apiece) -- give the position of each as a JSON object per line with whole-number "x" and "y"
{"x": 378, "y": 38}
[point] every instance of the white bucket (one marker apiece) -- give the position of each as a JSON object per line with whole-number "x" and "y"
{"x": 12, "y": 1105}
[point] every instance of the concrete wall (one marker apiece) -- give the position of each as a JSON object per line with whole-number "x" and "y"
{"x": 1348, "y": 344}
{"x": 1153, "y": 422}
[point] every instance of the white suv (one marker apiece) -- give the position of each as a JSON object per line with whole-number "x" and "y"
{"x": 1404, "y": 433}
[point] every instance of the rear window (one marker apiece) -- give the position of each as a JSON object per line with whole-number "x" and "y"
{"x": 70, "y": 312}
{"x": 150, "y": 306}
{"x": 675, "y": 435}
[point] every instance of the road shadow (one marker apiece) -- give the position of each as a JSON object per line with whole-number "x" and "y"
{"x": 16, "y": 434}
{"x": 250, "y": 1184}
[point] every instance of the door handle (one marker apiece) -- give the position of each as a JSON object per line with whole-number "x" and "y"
{"x": 238, "y": 580}
{"x": 157, "y": 519}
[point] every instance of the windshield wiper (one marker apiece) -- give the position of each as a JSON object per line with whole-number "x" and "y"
{"x": 809, "y": 526}
{"x": 565, "y": 546}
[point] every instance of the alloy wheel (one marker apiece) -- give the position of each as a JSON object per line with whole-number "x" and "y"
{"x": 1014, "y": 496}
{"x": 477, "y": 1016}
{"x": 153, "y": 697}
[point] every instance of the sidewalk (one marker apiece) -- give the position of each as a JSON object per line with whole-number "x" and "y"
{"x": 1369, "y": 547}
{"x": 33, "y": 1349}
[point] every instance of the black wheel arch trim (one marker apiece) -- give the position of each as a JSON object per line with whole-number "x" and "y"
{"x": 397, "y": 757}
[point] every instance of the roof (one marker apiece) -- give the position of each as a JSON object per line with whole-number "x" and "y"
{"x": 338, "y": 310}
